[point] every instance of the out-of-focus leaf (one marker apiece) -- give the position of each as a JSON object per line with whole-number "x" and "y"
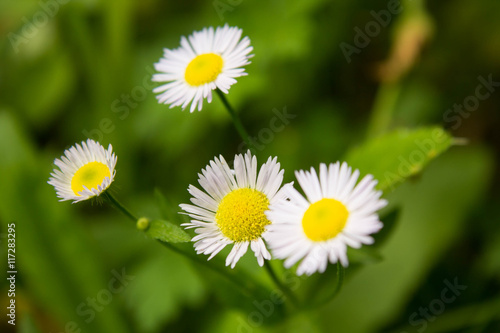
{"x": 363, "y": 255}
{"x": 489, "y": 262}
{"x": 482, "y": 317}
{"x": 393, "y": 157}
{"x": 237, "y": 321}
{"x": 27, "y": 324}
{"x": 389, "y": 220}
{"x": 162, "y": 286}
{"x": 166, "y": 232}
{"x": 253, "y": 321}
{"x": 47, "y": 85}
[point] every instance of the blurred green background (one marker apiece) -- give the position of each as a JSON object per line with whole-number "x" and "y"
{"x": 76, "y": 69}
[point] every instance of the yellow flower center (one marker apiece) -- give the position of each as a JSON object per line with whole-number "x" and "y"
{"x": 240, "y": 215}
{"x": 324, "y": 219}
{"x": 203, "y": 69}
{"x": 91, "y": 175}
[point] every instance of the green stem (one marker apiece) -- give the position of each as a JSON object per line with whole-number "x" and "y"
{"x": 112, "y": 200}
{"x": 383, "y": 109}
{"x": 284, "y": 289}
{"x": 236, "y": 119}
{"x": 245, "y": 287}
{"x": 340, "y": 282}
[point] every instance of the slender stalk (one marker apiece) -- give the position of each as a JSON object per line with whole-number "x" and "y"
{"x": 284, "y": 289}
{"x": 112, "y": 200}
{"x": 249, "y": 291}
{"x": 340, "y": 282}
{"x": 243, "y": 285}
{"x": 383, "y": 109}
{"x": 236, "y": 119}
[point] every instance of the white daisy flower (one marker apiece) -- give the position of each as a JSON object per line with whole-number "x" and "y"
{"x": 232, "y": 209}
{"x": 209, "y": 60}
{"x": 337, "y": 213}
{"x": 84, "y": 171}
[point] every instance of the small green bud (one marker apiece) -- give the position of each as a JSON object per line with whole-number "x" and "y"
{"x": 142, "y": 223}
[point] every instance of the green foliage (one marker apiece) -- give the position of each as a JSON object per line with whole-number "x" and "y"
{"x": 91, "y": 63}
{"x": 28, "y": 325}
{"x": 162, "y": 286}
{"x": 398, "y": 155}
{"x": 166, "y": 232}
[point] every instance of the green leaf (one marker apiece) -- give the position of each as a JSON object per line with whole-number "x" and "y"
{"x": 166, "y": 232}
{"x": 394, "y": 157}
{"x": 159, "y": 293}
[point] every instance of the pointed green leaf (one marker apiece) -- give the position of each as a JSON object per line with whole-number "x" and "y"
{"x": 166, "y": 232}
{"x": 394, "y": 157}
